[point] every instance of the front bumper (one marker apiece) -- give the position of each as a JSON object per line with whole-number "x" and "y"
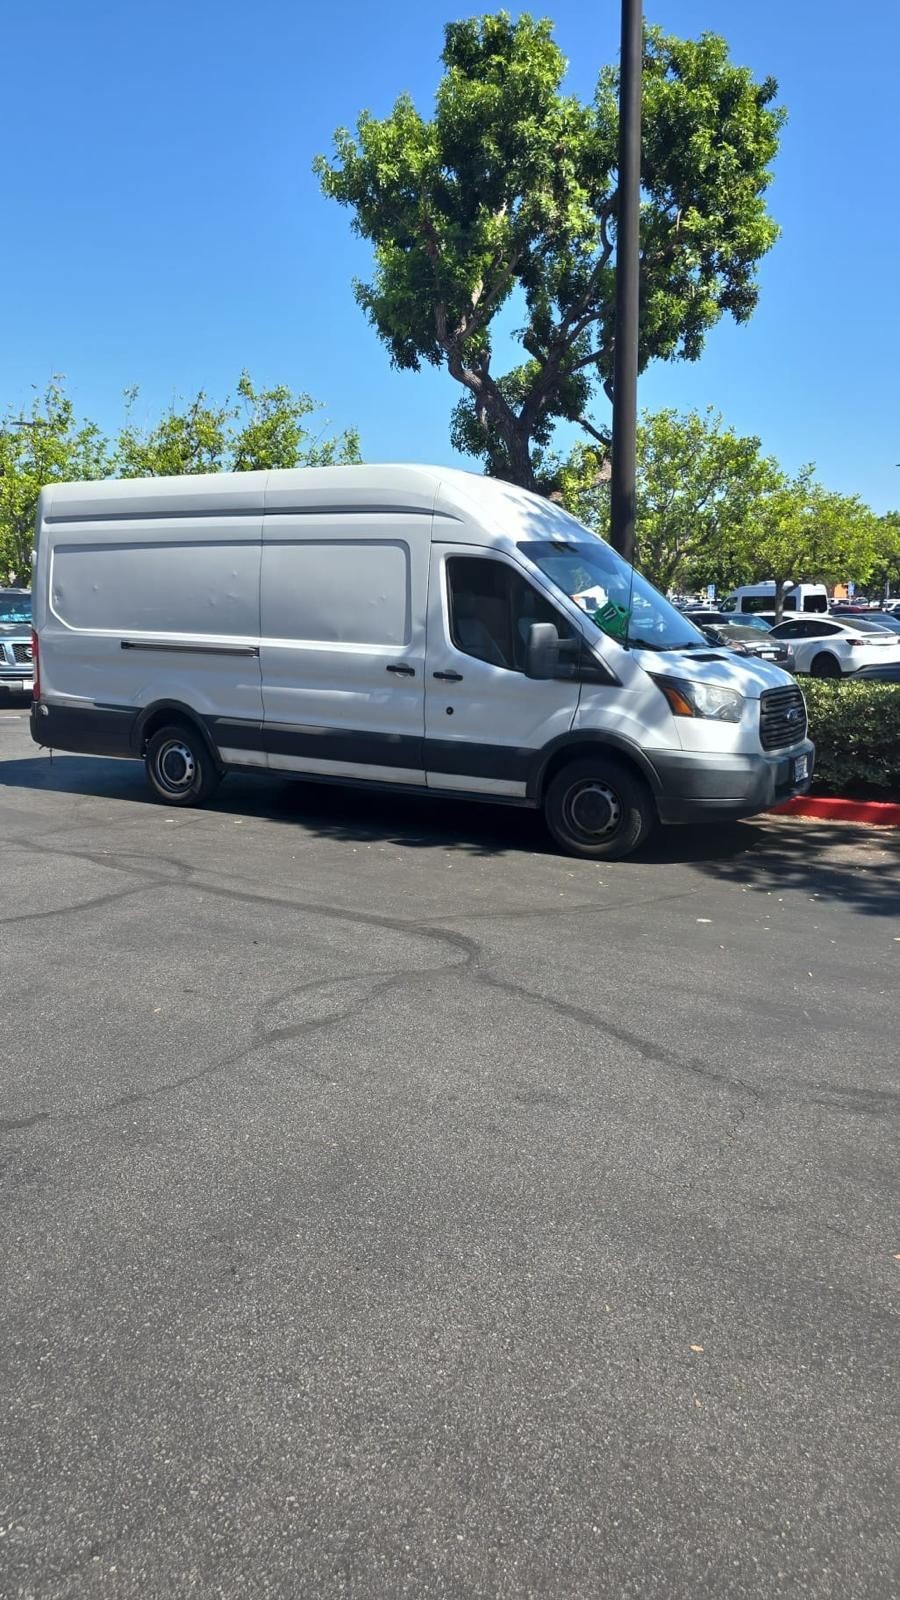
{"x": 699, "y": 784}
{"x": 18, "y": 682}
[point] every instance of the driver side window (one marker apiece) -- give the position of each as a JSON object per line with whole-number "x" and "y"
{"x": 492, "y": 608}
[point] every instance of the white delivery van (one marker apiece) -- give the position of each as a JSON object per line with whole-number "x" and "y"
{"x": 808, "y": 597}
{"x": 406, "y": 626}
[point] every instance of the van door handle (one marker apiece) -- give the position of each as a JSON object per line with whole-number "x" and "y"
{"x": 402, "y": 671}
{"x": 449, "y": 677}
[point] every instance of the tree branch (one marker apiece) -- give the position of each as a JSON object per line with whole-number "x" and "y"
{"x": 601, "y": 438}
{"x": 570, "y": 327}
{"x": 489, "y": 399}
{"x": 482, "y": 309}
{"x": 456, "y": 366}
{"x": 576, "y": 312}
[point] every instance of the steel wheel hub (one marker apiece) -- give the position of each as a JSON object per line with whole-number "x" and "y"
{"x": 175, "y": 766}
{"x": 593, "y": 809}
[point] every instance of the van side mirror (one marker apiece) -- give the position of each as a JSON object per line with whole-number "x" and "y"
{"x": 542, "y": 657}
{"x": 549, "y": 656}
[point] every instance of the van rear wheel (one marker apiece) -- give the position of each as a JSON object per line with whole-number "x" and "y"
{"x": 179, "y": 766}
{"x": 598, "y": 809}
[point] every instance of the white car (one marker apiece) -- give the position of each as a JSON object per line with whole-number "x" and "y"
{"x": 827, "y": 647}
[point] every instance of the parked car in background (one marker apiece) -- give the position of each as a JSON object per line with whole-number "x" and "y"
{"x": 887, "y": 673}
{"x": 881, "y": 619}
{"x": 827, "y": 647}
{"x": 745, "y": 633}
{"x": 749, "y": 619}
{"x": 805, "y": 597}
{"x": 16, "y": 665}
{"x": 702, "y": 615}
{"x": 753, "y": 641}
{"x": 706, "y": 616}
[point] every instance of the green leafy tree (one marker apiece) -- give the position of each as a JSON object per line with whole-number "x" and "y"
{"x": 182, "y": 441}
{"x": 46, "y": 444}
{"x": 801, "y": 531}
{"x": 265, "y": 428}
{"x": 885, "y": 574}
{"x": 510, "y": 189}
{"x": 272, "y": 432}
{"x": 698, "y": 484}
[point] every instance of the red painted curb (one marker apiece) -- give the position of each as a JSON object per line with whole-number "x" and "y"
{"x": 831, "y": 808}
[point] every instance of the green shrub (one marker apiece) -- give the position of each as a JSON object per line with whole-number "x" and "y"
{"x": 856, "y": 730}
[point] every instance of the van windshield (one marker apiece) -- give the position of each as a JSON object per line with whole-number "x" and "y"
{"x": 616, "y": 598}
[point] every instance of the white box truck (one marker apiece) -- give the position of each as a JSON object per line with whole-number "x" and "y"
{"x": 413, "y": 627}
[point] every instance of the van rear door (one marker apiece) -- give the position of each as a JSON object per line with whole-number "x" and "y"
{"x": 342, "y": 643}
{"x": 484, "y": 719}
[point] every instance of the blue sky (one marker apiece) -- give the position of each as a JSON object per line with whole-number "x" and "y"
{"x": 162, "y": 225}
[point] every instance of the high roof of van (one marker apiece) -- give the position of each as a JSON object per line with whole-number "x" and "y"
{"x": 406, "y": 489}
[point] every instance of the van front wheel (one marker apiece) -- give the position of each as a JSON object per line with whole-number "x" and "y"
{"x": 598, "y": 809}
{"x": 180, "y": 769}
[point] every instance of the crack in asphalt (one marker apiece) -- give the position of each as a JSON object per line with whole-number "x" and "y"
{"x": 633, "y": 1041}
{"x": 80, "y": 906}
{"x": 473, "y": 964}
{"x": 578, "y": 908}
{"x": 261, "y": 1039}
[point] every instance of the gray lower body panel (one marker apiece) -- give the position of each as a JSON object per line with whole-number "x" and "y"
{"x": 686, "y": 785}
{"x": 694, "y": 785}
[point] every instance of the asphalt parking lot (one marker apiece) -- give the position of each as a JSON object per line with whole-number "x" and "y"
{"x": 392, "y": 1207}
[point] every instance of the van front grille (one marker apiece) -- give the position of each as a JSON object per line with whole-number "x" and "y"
{"x": 782, "y": 718}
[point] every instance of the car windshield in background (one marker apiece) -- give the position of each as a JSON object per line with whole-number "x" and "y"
{"x": 15, "y": 608}
{"x": 737, "y": 630}
{"x": 747, "y": 619}
{"x": 616, "y": 598}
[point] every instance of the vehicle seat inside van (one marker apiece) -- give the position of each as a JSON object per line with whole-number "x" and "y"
{"x": 482, "y": 622}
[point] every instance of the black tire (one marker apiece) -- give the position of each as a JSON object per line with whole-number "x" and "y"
{"x": 180, "y": 769}
{"x": 598, "y": 809}
{"x": 825, "y": 666}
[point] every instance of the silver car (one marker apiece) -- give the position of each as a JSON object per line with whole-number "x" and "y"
{"x": 16, "y": 663}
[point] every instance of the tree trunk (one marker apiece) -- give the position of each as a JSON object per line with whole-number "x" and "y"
{"x": 518, "y": 449}
{"x": 780, "y": 586}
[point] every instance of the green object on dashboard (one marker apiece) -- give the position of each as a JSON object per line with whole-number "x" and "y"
{"x": 613, "y": 619}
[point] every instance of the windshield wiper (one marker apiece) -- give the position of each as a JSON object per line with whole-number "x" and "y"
{"x": 652, "y": 644}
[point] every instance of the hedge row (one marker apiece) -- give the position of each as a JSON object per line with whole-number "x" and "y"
{"x": 856, "y": 729}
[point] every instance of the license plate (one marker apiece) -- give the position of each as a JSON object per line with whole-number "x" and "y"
{"x": 801, "y": 768}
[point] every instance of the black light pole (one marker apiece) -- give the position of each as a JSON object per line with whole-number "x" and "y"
{"x": 625, "y": 368}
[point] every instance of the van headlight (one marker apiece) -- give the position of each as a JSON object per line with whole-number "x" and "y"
{"x": 701, "y": 699}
